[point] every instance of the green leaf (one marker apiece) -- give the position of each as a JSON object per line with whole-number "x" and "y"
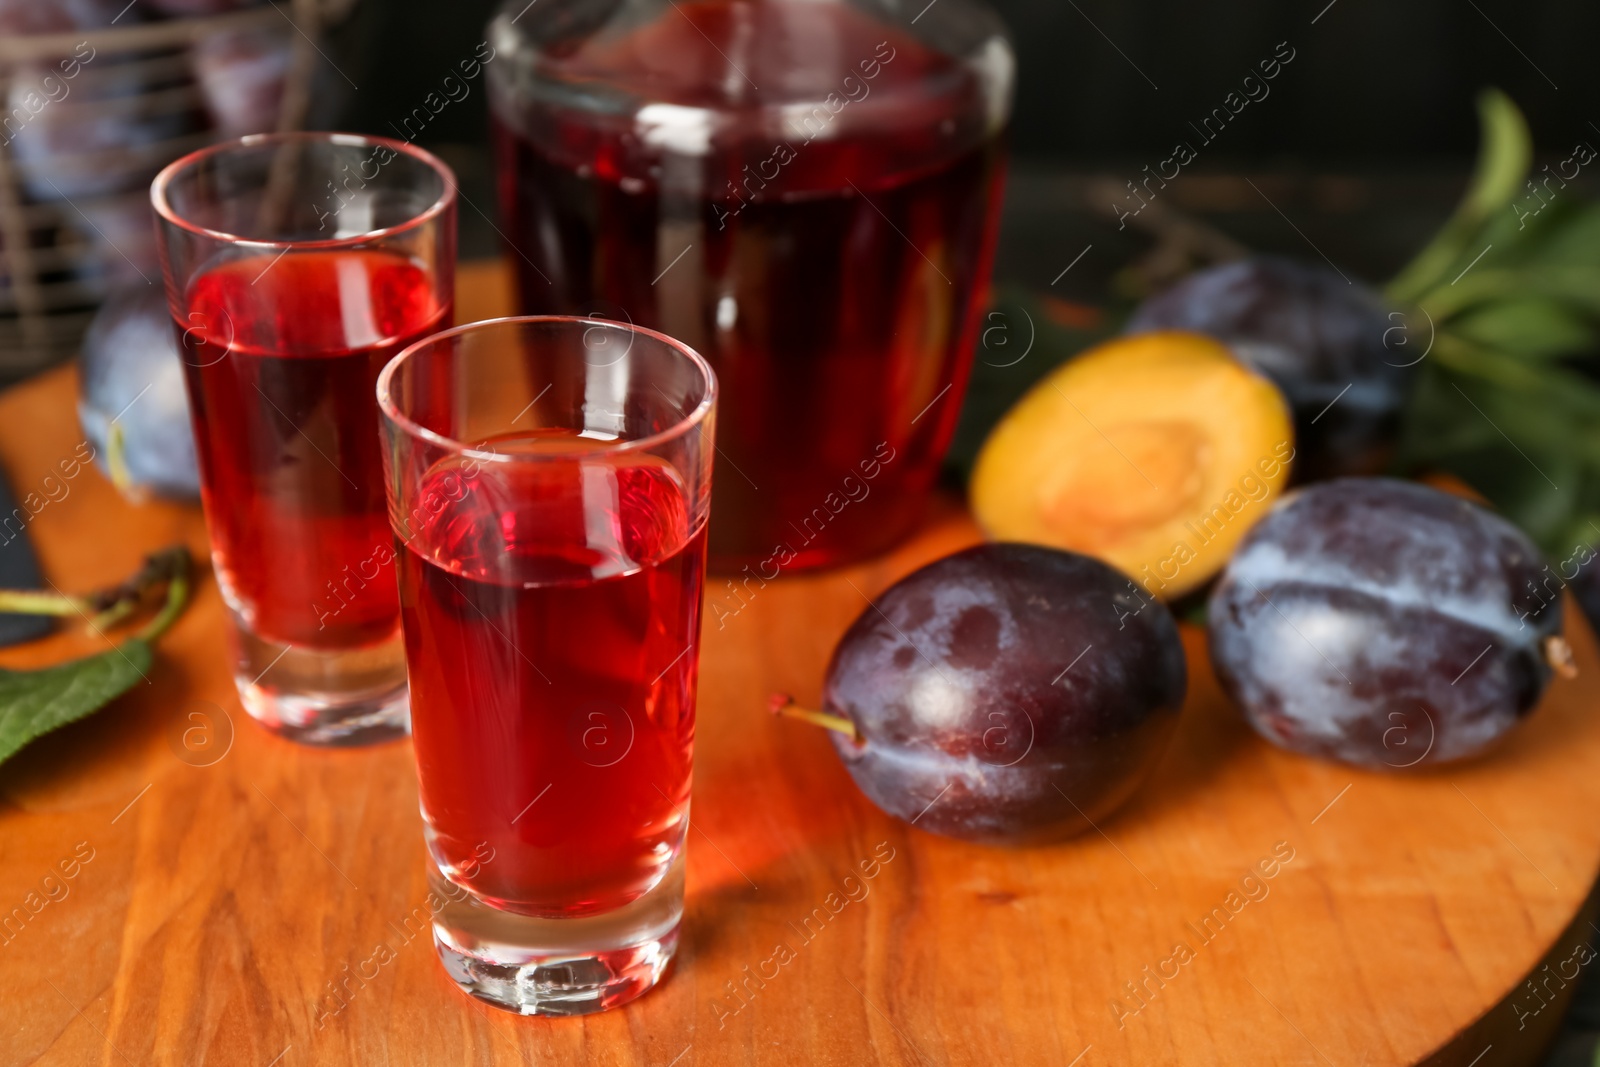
{"x": 1575, "y": 236}
{"x": 1580, "y": 529}
{"x": 33, "y": 703}
{"x": 1525, "y": 435}
{"x": 1504, "y": 158}
{"x": 1519, "y": 236}
{"x": 1504, "y": 153}
{"x": 1578, "y": 285}
{"x": 1537, "y": 327}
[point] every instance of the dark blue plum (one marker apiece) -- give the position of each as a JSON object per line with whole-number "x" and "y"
{"x": 1384, "y": 624}
{"x": 131, "y": 371}
{"x": 1329, "y": 344}
{"x": 1007, "y": 694}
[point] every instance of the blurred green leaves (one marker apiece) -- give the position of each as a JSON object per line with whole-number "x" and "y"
{"x": 1503, "y": 160}
{"x": 1537, "y": 327}
{"x": 1509, "y": 398}
{"x": 1505, "y": 299}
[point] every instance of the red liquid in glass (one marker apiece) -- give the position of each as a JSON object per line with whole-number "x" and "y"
{"x": 552, "y": 618}
{"x": 282, "y": 361}
{"x": 832, "y": 266}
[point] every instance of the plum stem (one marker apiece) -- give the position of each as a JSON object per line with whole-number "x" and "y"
{"x": 783, "y": 704}
{"x": 1558, "y": 654}
{"x": 174, "y": 565}
{"x": 117, "y": 462}
{"x": 33, "y": 602}
{"x": 169, "y": 568}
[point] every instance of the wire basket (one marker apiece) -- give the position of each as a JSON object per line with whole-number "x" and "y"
{"x": 90, "y": 116}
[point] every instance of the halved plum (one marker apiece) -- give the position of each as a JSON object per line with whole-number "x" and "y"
{"x": 1153, "y": 452}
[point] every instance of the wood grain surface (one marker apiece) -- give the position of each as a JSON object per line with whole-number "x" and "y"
{"x": 230, "y": 892}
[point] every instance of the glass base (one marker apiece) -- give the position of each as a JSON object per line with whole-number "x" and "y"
{"x": 346, "y": 696}
{"x": 539, "y": 966}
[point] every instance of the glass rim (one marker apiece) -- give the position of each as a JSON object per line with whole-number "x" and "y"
{"x": 165, "y": 211}
{"x": 696, "y": 417}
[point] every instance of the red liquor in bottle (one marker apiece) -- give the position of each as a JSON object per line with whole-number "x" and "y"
{"x": 807, "y": 195}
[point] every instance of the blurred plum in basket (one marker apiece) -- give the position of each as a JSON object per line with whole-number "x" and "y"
{"x": 242, "y": 74}
{"x": 107, "y": 129}
{"x": 131, "y": 388}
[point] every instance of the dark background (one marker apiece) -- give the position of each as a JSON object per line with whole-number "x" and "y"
{"x": 1374, "y": 82}
{"x": 1357, "y": 155}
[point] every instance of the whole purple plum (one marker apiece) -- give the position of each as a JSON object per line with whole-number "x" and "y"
{"x": 1328, "y": 343}
{"x": 1384, "y": 624}
{"x": 1006, "y": 694}
{"x": 131, "y": 375}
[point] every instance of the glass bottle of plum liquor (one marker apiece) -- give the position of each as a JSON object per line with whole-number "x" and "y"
{"x": 806, "y": 192}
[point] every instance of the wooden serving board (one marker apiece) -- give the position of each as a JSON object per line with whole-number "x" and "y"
{"x": 230, "y": 891}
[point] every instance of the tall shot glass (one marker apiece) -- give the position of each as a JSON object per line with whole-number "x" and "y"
{"x": 296, "y": 266}
{"x": 549, "y": 482}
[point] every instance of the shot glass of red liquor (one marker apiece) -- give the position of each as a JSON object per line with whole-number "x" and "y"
{"x": 805, "y": 191}
{"x": 296, "y": 266}
{"x": 549, "y": 482}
